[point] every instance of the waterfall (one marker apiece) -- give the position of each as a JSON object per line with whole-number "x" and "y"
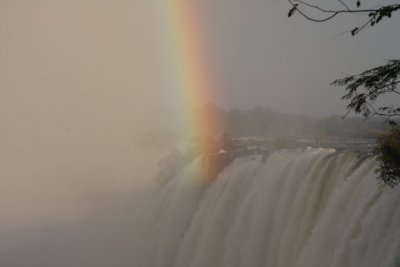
{"x": 304, "y": 208}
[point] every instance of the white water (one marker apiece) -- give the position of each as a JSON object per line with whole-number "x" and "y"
{"x": 311, "y": 208}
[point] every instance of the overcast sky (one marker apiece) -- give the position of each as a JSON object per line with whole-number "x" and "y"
{"x": 79, "y": 78}
{"x": 102, "y": 58}
{"x": 265, "y": 58}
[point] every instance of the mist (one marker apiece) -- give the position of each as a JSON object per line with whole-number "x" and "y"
{"x": 83, "y": 82}
{"x": 77, "y": 87}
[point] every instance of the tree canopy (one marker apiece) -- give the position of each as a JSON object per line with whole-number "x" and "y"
{"x": 364, "y": 90}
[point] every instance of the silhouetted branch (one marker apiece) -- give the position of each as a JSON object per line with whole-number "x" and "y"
{"x": 375, "y": 14}
{"x": 347, "y": 10}
{"x": 294, "y": 8}
{"x": 296, "y": 3}
{"x": 343, "y": 3}
{"x": 365, "y": 88}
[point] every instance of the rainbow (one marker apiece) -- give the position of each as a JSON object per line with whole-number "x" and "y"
{"x": 191, "y": 72}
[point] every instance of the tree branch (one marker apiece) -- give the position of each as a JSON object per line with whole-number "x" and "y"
{"x": 375, "y": 14}
{"x": 388, "y": 85}
{"x": 308, "y": 17}
{"x": 347, "y": 10}
{"x": 346, "y": 6}
{"x": 382, "y": 114}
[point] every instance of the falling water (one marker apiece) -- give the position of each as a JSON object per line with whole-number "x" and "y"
{"x": 305, "y": 208}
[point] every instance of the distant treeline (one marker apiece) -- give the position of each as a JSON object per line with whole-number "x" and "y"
{"x": 263, "y": 122}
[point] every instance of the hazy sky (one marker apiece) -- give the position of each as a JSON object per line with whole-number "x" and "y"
{"x": 79, "y": 78}
{"x": 83, "y": 77}
{"x": 265, "y": 58}
{"x": 106, "y": 59}
{"x": 77, "y": 82}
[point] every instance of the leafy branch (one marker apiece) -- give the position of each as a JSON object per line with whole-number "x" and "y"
{"x": 364, "y": 89}
{"x": 375, "y": 14}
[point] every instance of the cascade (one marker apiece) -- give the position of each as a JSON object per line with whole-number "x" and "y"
{"x": 300, "y": 207}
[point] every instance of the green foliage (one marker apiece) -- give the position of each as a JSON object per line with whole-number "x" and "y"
{"x": 364, "y": 89}
{"x": 389, "y": 158}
